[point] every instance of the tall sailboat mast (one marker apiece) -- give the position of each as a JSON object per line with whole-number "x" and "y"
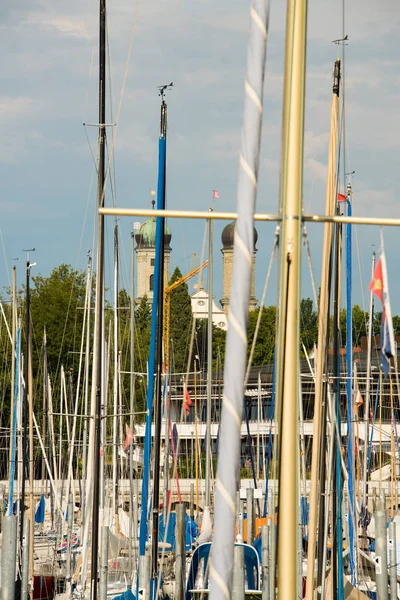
{"x": 288, "y": 367}
{"x": 160, "y": 230}
{"x": 97, "y": 366}
{"x": 327, "y": 259}
{"x": 368, "y": 387}
{"x": 115, "y": 388}
{"x": 209, "y": 365}
{"x": 155, "y": 356}
{"x": 221, "y": 569}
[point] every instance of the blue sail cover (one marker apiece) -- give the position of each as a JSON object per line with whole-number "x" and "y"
{"x": 127, "y": 595}
{"x": 191, "y": 531}
{"x": 39, "y": 515}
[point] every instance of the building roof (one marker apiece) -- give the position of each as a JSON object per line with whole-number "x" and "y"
{"x": 227, "y": 236}
{"x": 146, "y": 236}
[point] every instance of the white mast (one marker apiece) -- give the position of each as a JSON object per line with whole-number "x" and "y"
{"x": 236, "y": 345}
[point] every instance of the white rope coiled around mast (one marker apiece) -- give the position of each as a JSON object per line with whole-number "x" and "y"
{"x": 236, "y": 345}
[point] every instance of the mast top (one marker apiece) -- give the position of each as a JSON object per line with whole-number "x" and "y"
{"x": 163, "y": 88}
{"x": 336, "y": 77}
{"x": 163, "y": 123}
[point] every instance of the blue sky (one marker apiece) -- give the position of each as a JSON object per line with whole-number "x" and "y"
{"x": 49, "y": 88}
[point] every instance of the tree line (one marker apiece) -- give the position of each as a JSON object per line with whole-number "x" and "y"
{"x": 57, "y": 305}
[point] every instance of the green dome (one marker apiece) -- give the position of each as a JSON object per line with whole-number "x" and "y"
{"x": 146, "y": 236}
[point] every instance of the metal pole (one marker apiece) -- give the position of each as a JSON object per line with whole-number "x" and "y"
{"x": 98, "y": 342}
{"x": 87, "y": 365}
{"x": 232, "y": 216}
{"x": 265, "y": 562}
{"x": 8, "y": 557}
{"x": 319, "y": 419}
{"x": 115, "y": 385}
{"x": 250, "y": 516}
{"x": 103, "y": 563}
{"x": 192, "y": 500}
{"x": 238, "y": 582}
{"x": 368, "y": 389}
{"x": 180, "y": 554}
{"x": 69, "y": 536}
{"x": 381, "y": 566}
{"x": 132, "y": 492}
{"x": 25, "y": 411}
{"x": 241, "y": 519}
{"x": 393, "y": 559}
{"x": 13, "y": 345}
{"x": 209, "y": 365}
{"x": 144, "y": 577}
{"x": 25, "y": 560}
{"x": 288, "y": 366}
{"x": 159, "y": 274}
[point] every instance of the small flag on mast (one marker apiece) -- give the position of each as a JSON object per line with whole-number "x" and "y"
{"x": 379, "y": 287}
{"x": 215, "y": 194}
{"x": 129, "y": 438}
{"x": 341, "y": 198}
{"x": 187, "y": 401}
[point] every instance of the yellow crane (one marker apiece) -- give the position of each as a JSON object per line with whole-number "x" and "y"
{"x": 167, "y": 305}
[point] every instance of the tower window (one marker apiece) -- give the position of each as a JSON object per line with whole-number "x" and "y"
{"x": 151, "y": 283}
{"x": 152, "y": 261}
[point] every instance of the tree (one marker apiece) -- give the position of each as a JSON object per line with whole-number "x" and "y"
{"x": 308, "y": 324}
{"x": 180, "y": 323}
{"x": 57, "y": 304}
{"x": 265, "y": 343}
{"x": 359, "y": 325}
{"x": 218, "y": 343}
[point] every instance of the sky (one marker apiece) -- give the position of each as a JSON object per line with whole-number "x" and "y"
{"x": 48, "y": 90}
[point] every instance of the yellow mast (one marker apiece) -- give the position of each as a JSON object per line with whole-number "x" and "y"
{"x": 330, "y": 203}
{"x": 288, "y": 367}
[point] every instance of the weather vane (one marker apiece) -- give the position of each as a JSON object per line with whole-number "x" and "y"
{"x": 341, "y": 41}
{"x": 163, "y": 88}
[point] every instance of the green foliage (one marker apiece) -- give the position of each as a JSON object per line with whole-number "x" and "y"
{"x": 180, "y": 324}
{"x": 308, "y": 324}
{"x": 142, "y": 349}
{"x": 57, "y": 304}
{"x": 359, "y": 325}
{"x": 265, "y": 344}
{"x": 218, "y": 343}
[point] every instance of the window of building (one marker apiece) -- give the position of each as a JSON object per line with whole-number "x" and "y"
{"x": 151, "y": 283}
{"x": 152, "y": 262}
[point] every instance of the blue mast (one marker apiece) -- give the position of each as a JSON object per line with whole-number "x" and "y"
{"x": 349, "y": 390}
{"x": 157, "y": 297}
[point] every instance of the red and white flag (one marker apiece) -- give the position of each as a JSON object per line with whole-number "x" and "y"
{"x": 187, "y": 401}
{"x": 215, "y": 194}
{"x": 129, "y": 438}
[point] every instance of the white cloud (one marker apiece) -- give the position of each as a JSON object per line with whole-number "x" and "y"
{"x": 315, "y": 169}
{"x": 315, "y": 144}
{"x": 14, "y": 108}
{"x": 75, "y": 28}
{"x": 375, "y": 202}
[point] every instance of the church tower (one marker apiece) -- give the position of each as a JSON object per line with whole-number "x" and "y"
{"x": 146, "y": 254}
{"x": 227, "y": 238}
